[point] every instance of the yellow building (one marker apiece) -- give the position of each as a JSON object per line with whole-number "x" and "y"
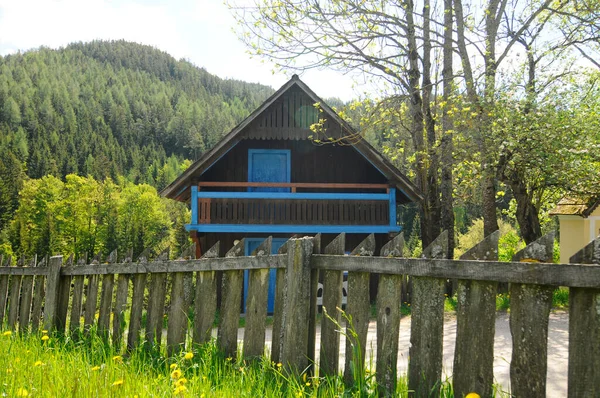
{"x": 579, "y": 224}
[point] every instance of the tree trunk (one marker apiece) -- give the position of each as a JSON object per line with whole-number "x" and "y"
{"x": 447, "y": 134}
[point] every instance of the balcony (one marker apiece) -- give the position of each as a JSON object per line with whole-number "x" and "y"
{"x": 304, "y": 208}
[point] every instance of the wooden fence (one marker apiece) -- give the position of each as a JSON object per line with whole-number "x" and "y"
{"x": 74, "y": 298}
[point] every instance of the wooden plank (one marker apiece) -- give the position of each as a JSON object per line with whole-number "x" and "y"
{"x": 39, "y": 293}
{"x": 278, "y": 308}
{"x": 388, "y": 322}
{"x": 77, "y": 304}
{"x": 106, "y": 299}
{"x": 231, "y": 297}
{"x": 52, "y": 292}
{"x": 178, "y": 314}
{"x": 584, "y": 331}
{"x": 529, "y": 311}
{"x": 156, "y": 306}
{"x": 205, "y": 302}
{"x": 312, "y": 316}
{"x": 294, "y": 332}
{"x": 91, "y": 296}
{"x": 427, "y": 327}
{"x": 358, "y": 309}
{"x": 13, "y": 298}
{"x": 120, "y": 309}
{"x": 137, "y": 305}
{"x": 256, "y": 306}
{"x": 4, "y": 279}
{"x": 332, "y": 303}
{"x": 26, "y": 298}
{"x": 63, "y": 300}
{"x": 475, "y": 329}
{"x": 575, "y": 275}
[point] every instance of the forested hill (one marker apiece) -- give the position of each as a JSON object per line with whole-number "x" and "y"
{"x": 113, "y": 108}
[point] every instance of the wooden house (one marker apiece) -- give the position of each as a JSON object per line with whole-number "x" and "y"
{"x": 274, "y": 176}
{"x": 579, "y": 223}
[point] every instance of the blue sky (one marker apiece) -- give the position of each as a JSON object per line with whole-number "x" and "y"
{"x": 200, "y": 31}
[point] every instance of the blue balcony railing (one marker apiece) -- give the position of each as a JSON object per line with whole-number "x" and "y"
{"x": 294, "y": 212}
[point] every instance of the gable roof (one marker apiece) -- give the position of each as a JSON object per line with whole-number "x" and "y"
{"x": 582, "y": 207}
{"x": 402, "y": 183}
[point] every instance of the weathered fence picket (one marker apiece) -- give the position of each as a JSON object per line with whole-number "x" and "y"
{"x": 529, "y": 314}
{"x": 332, "y": 300}
{"x": 26, "y": 298}
{"x": 358, "y": 309}
{"x": 39, "y": 293}
{"x": 205, "y": 305}
{"x": 256, "y": 305}
{"x": 25, "y": 290}
{"x": 231, "y": 296}
{"x": 137, "y": 303}
{"x": 389, "y": 296}
{"x": 427, "y": 327}
{"x": 584, "y": 331}
{"x": 473, "y": 369}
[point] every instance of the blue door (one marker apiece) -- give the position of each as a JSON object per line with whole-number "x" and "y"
{"x": 269, "y": 165}
{"x": 251, "y": 245}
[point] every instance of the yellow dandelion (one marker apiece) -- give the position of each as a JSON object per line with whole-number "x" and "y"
{"x": 45, "y": 338}
{"x": 188, "y": 355}
{"x": 38, "y": 363}
{"x": 173, "y": 366}
{"x": 117, "y": 358}
{"x": 472, "y": 395}
{"x": 44, "y": 332}
{"x": 8, "y": 333}
{"x": 181, "y": 382}
{"x": 95, "y": 368}
{"x": 307, "y": 384}
{"x": 117, "y": 383}
{"x": 9, "y": 370}
{"x": 21, "y": 392}
{"x": 279, "y": 365}
{"x": 176, "y": 374}
{"x": 180, "y": 390}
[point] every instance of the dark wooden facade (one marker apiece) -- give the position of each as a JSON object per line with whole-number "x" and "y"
{"x": 333, "y": 185}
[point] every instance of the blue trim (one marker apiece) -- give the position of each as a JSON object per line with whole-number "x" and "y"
{"x": 393, "y": 207}
{"x": 288, "y": 156}
{"x": 194, "y": 204}
{"x": 293, "y": 229}
{"x": 286, "y": 195}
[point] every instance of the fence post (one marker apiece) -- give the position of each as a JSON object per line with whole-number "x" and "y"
{"x": 427, "y": 327}
{"x": 389, "y": 296}
{"x": 178, "y": 314}
{"x": 358, "y": 309}
{"x": 332, "y": 300}
{"x": 205, "y": 300}
{"x": 584, "y": 331}
{"x": 256, "y": 305}
{"x": 294, "y": 333}
{"x": 529, "y": 311}
{"x": 52, "y": 292}
{"x": 156, "y": 304}
{"x": 473, "y": 369}
{"x": 231, "y": 297}
{"x": 91, "y": 298}
{"x": 13, "y": 299}
{"x": 278, "y": 308}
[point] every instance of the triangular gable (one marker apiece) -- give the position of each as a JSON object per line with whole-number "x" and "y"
{"x": 264, "y": 128}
